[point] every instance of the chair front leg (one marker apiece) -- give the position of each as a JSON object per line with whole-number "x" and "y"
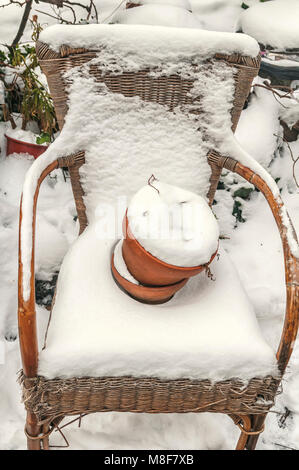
{"x": 33, "y": 430}
{"x": 251, "y": 426}
{"x": 257, "y": 425}
{"x": 246, "y": 420}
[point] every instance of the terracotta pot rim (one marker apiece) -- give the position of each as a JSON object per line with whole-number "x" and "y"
{"x": 24, "y": 142}
{"x": 163, "y": 263}
{"x": 149, "y": 295}
{"x": 142, "y": 287}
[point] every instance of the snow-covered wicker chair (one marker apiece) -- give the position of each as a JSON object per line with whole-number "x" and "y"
{"x": 105, "y": 54}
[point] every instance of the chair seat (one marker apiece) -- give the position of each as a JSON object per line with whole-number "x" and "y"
{"x": 207, "y": 331}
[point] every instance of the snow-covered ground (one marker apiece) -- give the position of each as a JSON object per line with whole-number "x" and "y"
{"x": 253, "y": 245}
{"x": 263, "y": 20}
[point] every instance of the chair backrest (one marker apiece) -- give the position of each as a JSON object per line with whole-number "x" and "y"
{"x": 172, "y": 91}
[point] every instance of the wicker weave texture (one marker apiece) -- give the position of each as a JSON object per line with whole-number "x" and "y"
{"x": 170, "y": 91}
{"x": 61, "y": 397}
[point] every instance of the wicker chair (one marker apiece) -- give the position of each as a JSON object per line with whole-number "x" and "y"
{"x": 47, "y": 401}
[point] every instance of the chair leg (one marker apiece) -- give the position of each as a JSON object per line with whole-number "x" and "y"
{"x": 46, "y": 438}
{"x": 251, "y": 427}
{"x": 257, "y": 424}
{"x": 33, "y": 430}
{"x": 241, "y": 444}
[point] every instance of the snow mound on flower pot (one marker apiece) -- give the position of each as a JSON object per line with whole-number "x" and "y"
{"x": 25, "y": 136}
{"x": 161, "y": 15}
{"x": 174, "y": 225}
{"x": 273, "y": 24}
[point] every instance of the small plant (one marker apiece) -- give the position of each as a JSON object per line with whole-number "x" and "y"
{"x": 237, "y": 211}
{"x": 24, "y": 92}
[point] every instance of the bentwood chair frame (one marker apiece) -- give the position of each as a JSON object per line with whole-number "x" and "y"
{"x": 48, "y": 401}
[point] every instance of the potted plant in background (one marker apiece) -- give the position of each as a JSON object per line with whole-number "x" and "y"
{"x": 26, "y": 99}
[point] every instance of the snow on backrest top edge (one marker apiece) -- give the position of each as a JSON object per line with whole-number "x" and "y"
{"x": 154, "y": 40}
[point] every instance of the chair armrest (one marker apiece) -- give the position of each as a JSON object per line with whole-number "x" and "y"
{"x": 291, "y": 260}
{"x": 26, "y": 280}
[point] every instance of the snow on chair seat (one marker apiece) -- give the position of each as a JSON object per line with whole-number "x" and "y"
{"x": 202, "y": 333}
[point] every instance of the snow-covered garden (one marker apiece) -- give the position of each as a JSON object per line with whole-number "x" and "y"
{"x": 243, "y": 219}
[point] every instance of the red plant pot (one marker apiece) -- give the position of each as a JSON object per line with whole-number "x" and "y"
{"x": 146, "y": 294}
{"x": 18, "y": 146}
{"x": 150, "y": 270}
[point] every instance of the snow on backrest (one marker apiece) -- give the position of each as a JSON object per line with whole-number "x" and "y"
{"x": 152, "y": 100}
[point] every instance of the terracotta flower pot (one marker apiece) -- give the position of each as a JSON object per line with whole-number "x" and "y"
{"x": 18, "y": 146}
{"x": 148, "y": 269}
{"x": 146, "y": 294}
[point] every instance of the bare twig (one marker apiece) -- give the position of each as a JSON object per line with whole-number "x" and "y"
{"x": 114, "y": 11}
{"x": 77, "y": 4}
{"x": 89, "y": 8}
{"x": 295, "y": 160}
{"x": 285, "y": 447}
{"x": 7, "y": 116}
{"x": 79, "y": 418}
{"x": 151, "y": 179}
{"x": 11, "y": 2}
{"x": 73, "y": 11}
{"x": 273, "y": 88}
{"x": 56, "y": 17}
{"x": 23, "y": 23}
{"x": 58, "y": 3}
{"x": 92, "y": 6}
{"x": 95, "y": 11}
